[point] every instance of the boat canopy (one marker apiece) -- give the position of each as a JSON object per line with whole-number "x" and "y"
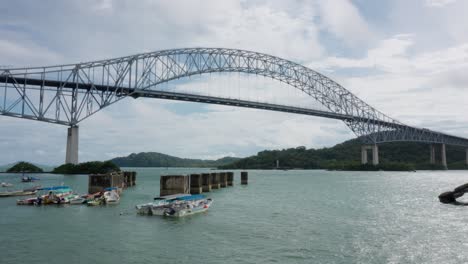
{"x": 172, "y": 196}
{"x": 53, "y": 188}
{"x": 191, "y": 197}
{"x": 110, "y": 188}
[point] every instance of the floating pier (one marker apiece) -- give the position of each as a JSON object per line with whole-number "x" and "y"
{"x": 195, "y": 183}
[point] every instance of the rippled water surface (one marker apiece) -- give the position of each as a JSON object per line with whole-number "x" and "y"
{"x": 280, "y": 217}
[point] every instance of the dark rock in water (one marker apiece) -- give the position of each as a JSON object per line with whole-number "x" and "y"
{"x": 462, "y": 188}
{"x": 447, "y": 198}
{"x": 451, "y": 197}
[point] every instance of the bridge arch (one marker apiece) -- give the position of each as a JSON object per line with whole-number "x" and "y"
{"x": 76, "y": 89}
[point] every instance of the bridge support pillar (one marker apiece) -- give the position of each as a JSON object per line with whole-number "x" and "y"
{"x": 375, "y": 155}
{"x": 443, "y": 156}
{"x": 432, "y": 152}
{"x": 72, "y": 145}
{"x": 466, "y": 157}
{"x": 364, "y": 154}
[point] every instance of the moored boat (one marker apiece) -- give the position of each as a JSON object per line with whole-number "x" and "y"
{"x": 176, "y": 206}
{"x": 158, "y": 201}
{"x": 53, "y": 195}
{"x": 78, "y": 200}
{"x": 188, "y": 208}
{"x": 6, "y": 184}
{"x": 95, "y": 201}
{"x": 111, "y": 196}
{"x": 17, "y": 193}
{"x": 29, "y": 179}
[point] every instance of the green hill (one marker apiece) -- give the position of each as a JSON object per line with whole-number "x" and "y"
{"x": 87, "y": 168}
{"x": 155, "y": 159}
{"x": 392, "y": 156}
{"x": 24, "y": 167}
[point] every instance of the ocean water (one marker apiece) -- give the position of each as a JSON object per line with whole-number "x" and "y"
{"x": 280, "y": 217}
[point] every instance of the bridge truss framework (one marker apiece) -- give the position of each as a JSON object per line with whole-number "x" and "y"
{"x": 67, "y": 94}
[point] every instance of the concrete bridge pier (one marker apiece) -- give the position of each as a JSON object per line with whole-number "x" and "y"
{"x": 230, "y": 178}
{"x": 466, "y": 157}
{"x": 223, "y": 179}
{"x": 244, "y": 177}
{"x": 443, "y": 156}
{"x": 215, "y": 181}
{"x": 432, "y": 154}
{"x": 196, "y": 184}
{"x": 72, "y": 145}
{"x": 375, "y": 154}
{"x": 206, "y": 182}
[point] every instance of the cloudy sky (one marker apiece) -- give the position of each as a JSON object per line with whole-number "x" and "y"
{"x": 409, "y": 59}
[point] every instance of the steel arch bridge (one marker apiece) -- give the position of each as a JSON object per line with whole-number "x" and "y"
{"x": 67, "y": 94}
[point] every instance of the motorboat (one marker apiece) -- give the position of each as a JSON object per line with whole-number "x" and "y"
{"x": 96, "y": 201}
{"x": 17, "y": 193}
{"x": 145, "y": 209}
{"x": 56, "y": 194}
{"x": 178, "y": 206}
{"x": 111, "y": 196}
{"x": 50, "y": 195}
{"x": 6, "y": 184}
{"x": 29, "y": 179}
{"x": 78, "y": 200}
{"x": 189, "y": 207}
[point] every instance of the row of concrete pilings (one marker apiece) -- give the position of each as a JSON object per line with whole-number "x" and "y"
{"x": 433, "y": 147}
{"x": 197, "y": 183}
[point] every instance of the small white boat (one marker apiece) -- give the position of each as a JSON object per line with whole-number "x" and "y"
{"x": 188, "y": 208}
{"x": 176, "y": 206}
{"x": 17, "y": 193}
{"x": 147, "y": 208}
{"x": 77, "y": 200}
{"x": 6, "y": 184}
{"x": 111, "y": 197}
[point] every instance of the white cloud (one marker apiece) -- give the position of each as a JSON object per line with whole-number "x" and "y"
{"x": 439, "y": 3}
{"x": 342, "y": 18}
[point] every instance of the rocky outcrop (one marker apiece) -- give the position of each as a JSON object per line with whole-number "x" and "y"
{"x": 450, "y": 197}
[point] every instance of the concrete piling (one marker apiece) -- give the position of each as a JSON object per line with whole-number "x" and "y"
{"x": 443, "y": 156}
{"x": 173, "y": 184}
{"x": 129, "y": 178}
{"x": 215, "y": 184}
{"x": 195, "y": 183}
{"x": 120, "y": 180}
{"x": 230, "y": 178}
{"x": 206, "y": 182}
{"x": 244, "y": 177}
{"x": 223, "y": 179}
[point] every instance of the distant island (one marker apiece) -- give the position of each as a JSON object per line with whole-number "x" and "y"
{"x": 398, "y": 156}
{"x": 155, "y": 159}
{"x": 25, "y": 167}
{"x": 92, "y": 167}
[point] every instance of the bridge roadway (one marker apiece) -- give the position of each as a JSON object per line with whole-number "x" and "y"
{"x": 393, "y": 134}
{"x": 135, "y": 93}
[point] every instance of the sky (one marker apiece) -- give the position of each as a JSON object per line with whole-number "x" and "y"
{"x": 408, "y": 59}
